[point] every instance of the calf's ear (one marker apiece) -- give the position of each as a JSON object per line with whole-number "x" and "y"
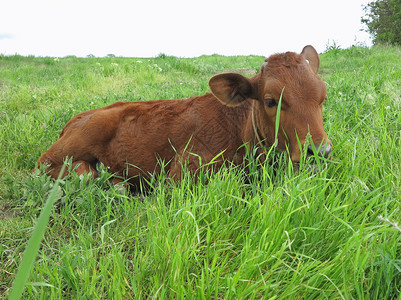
{"x": 231, "y": 88}
{"x": 312, "y": 56}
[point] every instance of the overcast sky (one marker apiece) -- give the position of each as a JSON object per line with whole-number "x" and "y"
{"x": 184, "y": 28}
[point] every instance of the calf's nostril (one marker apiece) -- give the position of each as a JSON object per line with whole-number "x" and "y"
{"x": 310, "y": 151}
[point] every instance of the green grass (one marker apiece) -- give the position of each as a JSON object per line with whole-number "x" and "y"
{"x": 280, "y": 234}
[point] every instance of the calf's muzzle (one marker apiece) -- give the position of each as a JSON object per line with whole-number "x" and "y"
{"x": 322, "y": 150}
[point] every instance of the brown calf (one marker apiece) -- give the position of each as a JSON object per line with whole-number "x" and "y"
{"x": 130, "y": 137}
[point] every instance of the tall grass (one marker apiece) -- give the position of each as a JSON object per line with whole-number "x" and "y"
{"x": 250, "y": 232}
{"x": 33, "y": 245}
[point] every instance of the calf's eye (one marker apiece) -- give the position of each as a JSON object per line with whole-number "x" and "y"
{"x": 270, "y": 102}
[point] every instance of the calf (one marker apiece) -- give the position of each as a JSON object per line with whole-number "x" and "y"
{"x": 130, "y": 137}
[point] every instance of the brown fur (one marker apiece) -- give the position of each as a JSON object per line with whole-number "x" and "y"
{"x": 130, "y": 137}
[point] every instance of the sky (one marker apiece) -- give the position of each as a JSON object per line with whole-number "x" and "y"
{"x": 183, "y": 28}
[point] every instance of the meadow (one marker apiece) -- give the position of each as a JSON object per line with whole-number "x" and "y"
{"x": 250, "y": 233}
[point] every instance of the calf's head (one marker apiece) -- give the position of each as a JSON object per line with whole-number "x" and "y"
{"x": 292, "y": 78}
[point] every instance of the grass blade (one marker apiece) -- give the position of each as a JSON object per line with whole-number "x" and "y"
{"x": 33, "y": 245}
{"x": 278, "y": 119}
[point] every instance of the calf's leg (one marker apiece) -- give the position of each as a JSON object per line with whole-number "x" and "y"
{"x": 82, "y": 161}
{"x": 80, "y": 167}
{"x": 83, "y": 167}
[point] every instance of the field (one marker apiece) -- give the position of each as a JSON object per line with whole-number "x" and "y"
{"x": 266, "y": 233}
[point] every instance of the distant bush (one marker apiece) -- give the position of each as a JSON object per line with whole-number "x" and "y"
{"x": 383, "y": 19}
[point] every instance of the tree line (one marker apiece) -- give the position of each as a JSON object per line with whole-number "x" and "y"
{"x": 383, "y": 21}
